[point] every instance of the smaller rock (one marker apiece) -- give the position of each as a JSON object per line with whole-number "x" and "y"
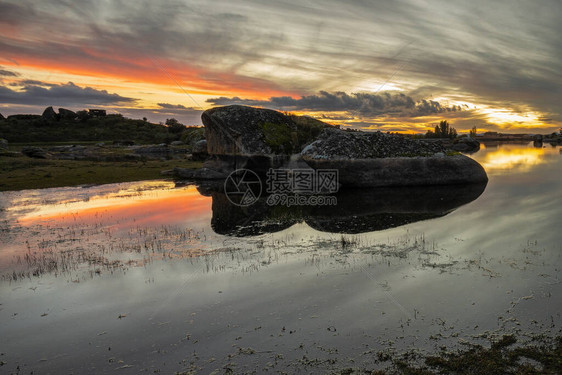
{"x": 198, "y": 174}
{"x": 35, "y": 152}
{"x": 465, "y": 144}
{"x": 199, "y": 152}
{"x": 176, "y": 143}
{"x": 160, "y": 149}
{"x": 124, "y": 142}
{"x": 3, "y": 144}
{"x": 49, "y": 114}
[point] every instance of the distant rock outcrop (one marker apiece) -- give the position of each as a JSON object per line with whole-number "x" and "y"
{"x": 2, "y": 117}
{"x": 49, "y": 114}
{"x": 66, "y": 114}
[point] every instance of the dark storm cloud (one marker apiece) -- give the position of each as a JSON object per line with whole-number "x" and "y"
{"x": 185, "y": 115}
{"x": 7, "y": 73}
{"x": 178, "y": 107}
{"x": 188, "y": 114}
{"x": 65, "y": 94}
{"x": 364, "y": 104}
{"x": 31, "y": 82}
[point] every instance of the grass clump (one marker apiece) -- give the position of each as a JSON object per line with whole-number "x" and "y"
{"x": 501, "y": 357}
{"x": 284, "y": 139}
{"x": 279, "y": 137}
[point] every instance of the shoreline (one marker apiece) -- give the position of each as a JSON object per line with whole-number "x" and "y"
{"x": 21, "y": 172}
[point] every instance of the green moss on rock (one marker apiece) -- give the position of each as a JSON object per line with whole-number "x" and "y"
{"x": 279, "y": 137}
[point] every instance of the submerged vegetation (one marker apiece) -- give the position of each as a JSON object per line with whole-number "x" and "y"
{"x": 539, "y": 356}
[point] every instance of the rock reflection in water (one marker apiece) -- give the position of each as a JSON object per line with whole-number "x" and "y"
{"x": 357, "y": 210}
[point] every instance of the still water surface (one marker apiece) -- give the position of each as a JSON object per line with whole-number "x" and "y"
{"x": 154, "y": 276}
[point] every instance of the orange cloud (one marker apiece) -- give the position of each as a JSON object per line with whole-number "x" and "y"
{"x": 142, "y": 69}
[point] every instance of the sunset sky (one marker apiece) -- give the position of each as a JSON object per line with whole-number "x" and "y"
{"x": 381, "y": 65}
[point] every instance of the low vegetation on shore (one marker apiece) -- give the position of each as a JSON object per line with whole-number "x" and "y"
{"x": 84, "y": 126}
{"x": 22, "y": 172}
{"x": 89, "y": 147}
{"x": 503, "y": 356}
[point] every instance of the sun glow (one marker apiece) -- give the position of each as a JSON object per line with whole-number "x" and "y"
{"x": 502, "y": 116}
{"x": 512, "y": 158}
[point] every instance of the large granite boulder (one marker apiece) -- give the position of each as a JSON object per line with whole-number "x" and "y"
{"x": 49, "y": 114}
{"x": 377, "y": 159}
{"x": 254, "y": 138}
{"x": 236, "y": 130}
{"x": 241, "y": 130}
{"x": 340, "y": 144}
{"x": 259, "y": 139}
{"x": 404, "y": 171}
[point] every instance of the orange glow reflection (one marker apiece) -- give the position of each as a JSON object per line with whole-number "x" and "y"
{"x": 163, "y": 205}
{"x": 513, "y": 158}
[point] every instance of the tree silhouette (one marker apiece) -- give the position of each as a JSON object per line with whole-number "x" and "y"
{"x": 174, "y": 126}
{"x": 443, "y": 130}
